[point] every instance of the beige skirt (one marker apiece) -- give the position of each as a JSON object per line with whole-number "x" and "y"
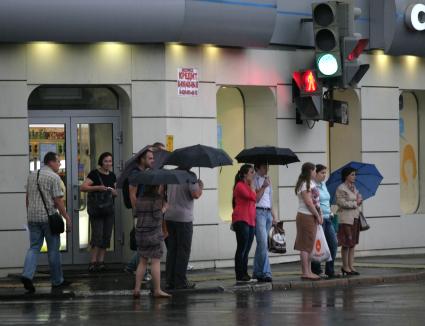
{"x": 306, "y": 232}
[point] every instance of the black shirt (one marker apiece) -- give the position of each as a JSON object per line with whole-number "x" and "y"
{"x": 108, "y": 180}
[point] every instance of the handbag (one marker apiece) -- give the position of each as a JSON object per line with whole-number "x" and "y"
{"x": 363, "y": 222}
{"x": 56, "y": 224}
{"x": 100, "y": 203}
{"x": 276, "y": 239}
{"x": 320, "y": 250}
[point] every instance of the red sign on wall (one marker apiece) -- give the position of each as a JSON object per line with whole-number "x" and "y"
{"x": 187, "y": 82}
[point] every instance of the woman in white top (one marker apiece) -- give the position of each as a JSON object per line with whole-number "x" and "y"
{"x": 308, "y": 216}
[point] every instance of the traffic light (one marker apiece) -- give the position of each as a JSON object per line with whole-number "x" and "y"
{"x": 307, "y": 95}
{"x": 337, "y": 46}
{"x": 327, "y": 39}
{"x": 353, "y": 70}
{"x": 335, "y": 111}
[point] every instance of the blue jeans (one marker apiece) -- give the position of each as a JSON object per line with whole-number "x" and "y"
{"x": 134, "y": 262}
{"x": 37, "y": 232}
{"x": 331, "y": 239}
{"x": 244, "y": 237}
{"x": 261, "y": 260}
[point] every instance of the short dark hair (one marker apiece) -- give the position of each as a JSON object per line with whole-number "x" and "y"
{"x": 49, "y": 157}
{"x": 320, "y": 167}
{"x": 102, "y": 157}
{"x": 258, "y": 165}
{"x": 158, "y": 144}
{"x": 143, "y": 155}
{"x": 346, "y": 172}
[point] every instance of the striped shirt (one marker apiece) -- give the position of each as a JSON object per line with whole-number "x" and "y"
{"x": 50, "y": 184}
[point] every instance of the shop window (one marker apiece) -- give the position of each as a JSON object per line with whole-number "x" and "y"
{"x": 409, "y": 136}
{"x": 246, "y": 117}
{"x": 68, "y": 98}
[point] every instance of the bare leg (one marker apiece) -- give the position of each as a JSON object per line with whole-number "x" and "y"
{"x": 351, "y": 259}
{"x": 101, "y": 255}
{"x": 345, "y": 259}
{"x": 306, "y": 266}
{"x": 156, "y": 279}
{"x": 139, "y": 275}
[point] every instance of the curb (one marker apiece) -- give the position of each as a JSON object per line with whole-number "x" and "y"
{"x": 249, "y": 288}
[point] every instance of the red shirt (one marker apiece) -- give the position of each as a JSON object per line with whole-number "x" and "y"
{"x": 245, "y": 199}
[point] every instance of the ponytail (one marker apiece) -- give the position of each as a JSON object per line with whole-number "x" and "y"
{"x": 240, "y": 175}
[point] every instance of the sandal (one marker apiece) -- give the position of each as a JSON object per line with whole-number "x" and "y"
{"x": 308, "y": 278}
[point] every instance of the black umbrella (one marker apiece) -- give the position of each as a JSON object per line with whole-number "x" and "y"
{"x": 198, "y": 156}
{"x": 162, "y": 177}
{"x": 159, "y": 155}
{"x": 267, "y": 154}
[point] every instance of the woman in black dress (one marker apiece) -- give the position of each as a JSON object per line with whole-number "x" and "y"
{"x": 100, "y": 184}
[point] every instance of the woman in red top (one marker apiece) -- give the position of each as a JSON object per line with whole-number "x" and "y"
{"x": 243, "y": 219}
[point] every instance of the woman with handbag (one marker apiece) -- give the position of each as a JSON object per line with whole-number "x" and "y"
{"x": 349, "y": 201}
{"x": 308, "y": 217}
{"x": 328, "y": 228}
{"x": 100, "y": 185}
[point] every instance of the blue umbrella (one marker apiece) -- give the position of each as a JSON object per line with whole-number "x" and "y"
{"x": 367, "y": 182}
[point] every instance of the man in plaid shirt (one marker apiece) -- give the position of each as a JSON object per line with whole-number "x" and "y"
{"x": 38, "y": 223}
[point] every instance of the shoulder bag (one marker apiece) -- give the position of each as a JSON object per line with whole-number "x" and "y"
{"x": 56, "y": 224}
{"x": 363, "y": 222}
{"x": 100, "y": 203}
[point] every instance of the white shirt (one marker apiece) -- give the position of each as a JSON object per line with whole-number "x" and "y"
{"x": 302, "y": 207}
{"x": 266, "y": 200}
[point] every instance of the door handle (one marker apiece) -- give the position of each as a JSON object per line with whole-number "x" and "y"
{"x": 78, "y": 206}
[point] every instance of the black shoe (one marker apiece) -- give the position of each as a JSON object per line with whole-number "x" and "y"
{"x": 260, "y": 279}
{"x": 64, "y": 284}
{"x": 101, "y": 267}
{"x": 92, "y": 268}
{"x": 244, "y": 279}
{"x": 186, "y": 286}
{"x": 169, "y": 287}
{"x": 28, "y": 284}
{"x": 268, "y": 279}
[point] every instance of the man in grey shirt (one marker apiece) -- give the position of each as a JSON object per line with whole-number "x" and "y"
{"x": 179, "y": 221}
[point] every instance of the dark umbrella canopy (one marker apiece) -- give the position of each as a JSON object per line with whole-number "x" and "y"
{"x": 267, "y": 154}
{"x": 159, "y": 156}
{"x": 367, "y": 182}
{"x": 162, "y": 177}
{"x": 198, "y": 156}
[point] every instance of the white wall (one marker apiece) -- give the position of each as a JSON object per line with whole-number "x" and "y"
{"x": 148, "y": 74}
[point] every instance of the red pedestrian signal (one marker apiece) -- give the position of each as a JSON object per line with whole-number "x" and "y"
{"x": 307, "y": 83}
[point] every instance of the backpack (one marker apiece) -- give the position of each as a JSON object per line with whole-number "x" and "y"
{"x": 126, "y": 192}
{"x": 276, "y": 239}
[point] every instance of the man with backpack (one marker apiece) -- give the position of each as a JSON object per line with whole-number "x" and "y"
{"x": 145, "y": 161}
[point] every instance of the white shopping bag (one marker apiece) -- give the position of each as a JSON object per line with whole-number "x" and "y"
{"x": 321, "y": 250}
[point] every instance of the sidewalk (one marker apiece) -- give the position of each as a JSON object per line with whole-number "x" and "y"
{"x": 114, "y": 282}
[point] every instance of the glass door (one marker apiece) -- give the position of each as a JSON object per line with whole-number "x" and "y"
{"x": 52, "y": 135}
{"x": 78, "y": 141}
{"x": 92, "y": 137}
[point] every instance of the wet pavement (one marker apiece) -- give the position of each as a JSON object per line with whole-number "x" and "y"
{"x": 395, "y": 304}
{"x": 114, "y": 282}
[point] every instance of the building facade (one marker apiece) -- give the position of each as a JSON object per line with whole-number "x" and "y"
{"x": 80, "y": 93}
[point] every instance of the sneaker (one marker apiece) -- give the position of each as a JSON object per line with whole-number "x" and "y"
{"x": 147, "y": 277}
{"x": 187, "y": 285}
{"x": 28, "y": 284}
{"x": 268, "y": 279}
{"x": 64, "y": 284}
